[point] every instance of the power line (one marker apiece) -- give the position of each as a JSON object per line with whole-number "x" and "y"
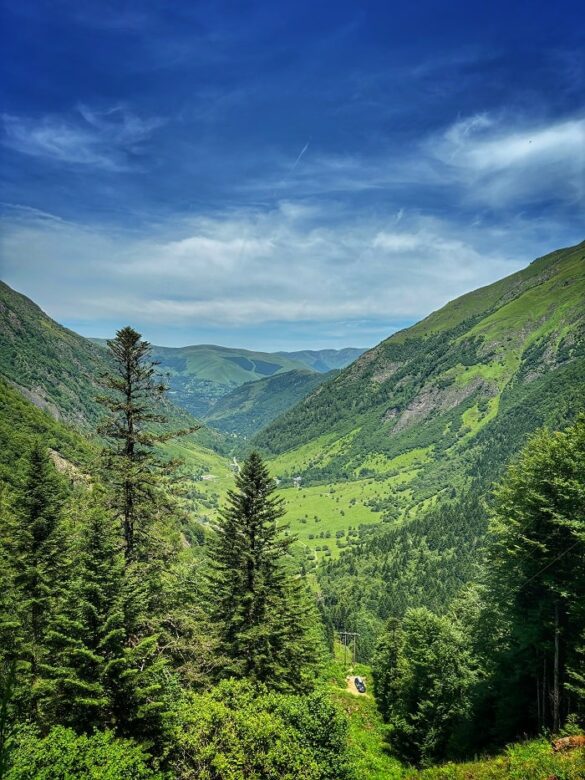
{"x": 549, "y": 564}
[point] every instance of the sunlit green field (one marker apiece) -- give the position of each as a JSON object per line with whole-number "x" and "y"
{"x": 208, "y": 474}
{"x": 324, "y": 517}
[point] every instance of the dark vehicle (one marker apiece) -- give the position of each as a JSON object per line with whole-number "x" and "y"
{"x": 359, "y": 684}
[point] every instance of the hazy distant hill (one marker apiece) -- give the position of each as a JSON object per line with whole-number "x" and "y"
{"x": 253, "y": 405}
{"x": 199, "y": 375}
{"x": 324, "y": 360}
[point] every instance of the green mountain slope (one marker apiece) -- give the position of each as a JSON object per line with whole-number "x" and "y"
{"x": 324, "y": 360}
{"x": 21, "y": 422}
{"x": 421, "y": 418}
{"x": 436, "y": 385}
{"x": 58, "y": 370}
{"x": 199, "y": 375}
{"x": 253, "y": 405}
{"x": 53, "y": 367}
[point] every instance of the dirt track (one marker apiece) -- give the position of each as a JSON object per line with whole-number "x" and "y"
{"x": 350, "y": 685}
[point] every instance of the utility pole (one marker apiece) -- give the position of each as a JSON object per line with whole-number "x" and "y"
{"x": 556, "y": 687}
{"x": 348, "y": 638}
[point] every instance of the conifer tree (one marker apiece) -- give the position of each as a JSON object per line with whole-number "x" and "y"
{"x": 35, "y": 558}
{"x": 87, "y": 633}
{"x": 104, "y": 669}
{"x": 537, "y": 580}
{"x": 134, "y": 475}
{"x": 259, "y": 606}
{"x": 143, "y": 686}
{"x": 387, "y": 669}
{"x": 10, "y": 632}
{"x": 130, "y": 462}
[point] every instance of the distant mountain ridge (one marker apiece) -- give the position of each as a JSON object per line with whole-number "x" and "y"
{"x": 199, "y": 375}
{"x": 324, "y": 360}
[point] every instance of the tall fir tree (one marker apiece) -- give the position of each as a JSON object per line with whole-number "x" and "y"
{"x": 260, "y": 607}
{"x": 129, "y": 459}
{"x": 134, "y": 475}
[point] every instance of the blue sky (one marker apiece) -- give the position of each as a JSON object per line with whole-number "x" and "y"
{"x": 284, "y": 175}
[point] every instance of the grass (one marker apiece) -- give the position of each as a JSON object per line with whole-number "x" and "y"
{"x": 382, "y": 464}
{"x": 533, "y": 760}
{"x": 367, "y": 733}
{"x": 319, "y": 451}
{"x": 334, "y": 508}
{"x": 198, "y": 462}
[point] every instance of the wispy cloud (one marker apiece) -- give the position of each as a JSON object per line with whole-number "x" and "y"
{"x": 196, "y": 272}
{"x": 106, "y": 139}
{"x": 479, "y": 161}
{"x": 498, "y": 161}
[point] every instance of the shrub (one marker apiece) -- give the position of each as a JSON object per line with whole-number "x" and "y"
{"x": 240, "y": 732}
{"x": 63, "y": 755}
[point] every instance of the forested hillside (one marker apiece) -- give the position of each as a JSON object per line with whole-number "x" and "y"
{"x": 253, "y": 405}
{"x": 58, "y": 370}
{"x": 398, "y": 452}
{"x": 437, "y": 385}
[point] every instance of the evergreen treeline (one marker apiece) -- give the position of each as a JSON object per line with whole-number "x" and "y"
{"x": 509, "y": 656}
{"x": 115, "y": 636}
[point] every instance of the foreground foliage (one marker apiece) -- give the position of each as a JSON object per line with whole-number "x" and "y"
{"x": 243, "y": 732}
{"x": 508, "y": 658}
{"x": 63, "y": 755}
{"x": 106, "y": 628}
{"x": 533, "y": 760}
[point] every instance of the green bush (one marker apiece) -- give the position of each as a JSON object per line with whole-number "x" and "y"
{"x": 533, "y": 760}
{"x": 65, "y": 755}
{"x": 240, "y": 732}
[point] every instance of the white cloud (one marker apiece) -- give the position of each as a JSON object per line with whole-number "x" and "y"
{"x": 100, "y": 139}
{"x": 309, "y": 258}
{"x": 501, "y": 162}
{"x": 250, "y": 268}
{"x": 468, "y": 144}
{"x": 482, "y": 160}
